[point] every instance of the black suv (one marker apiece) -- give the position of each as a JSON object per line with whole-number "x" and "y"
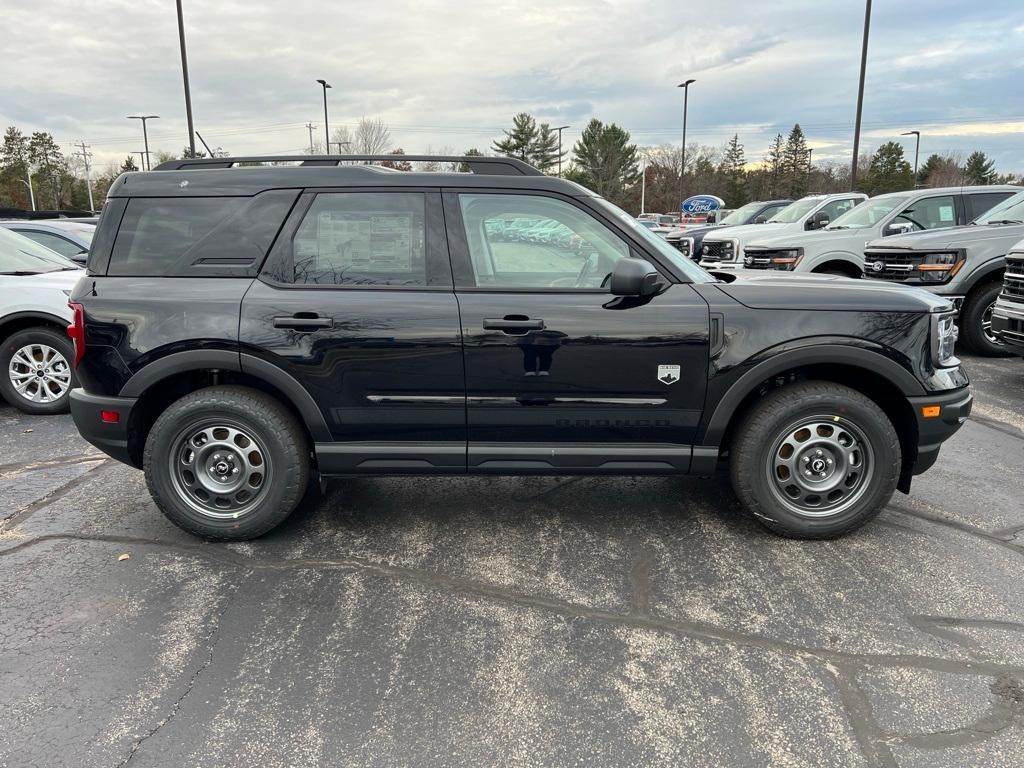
{"x": 247, "y": 327}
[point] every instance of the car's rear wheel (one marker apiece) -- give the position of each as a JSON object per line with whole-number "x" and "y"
{"x": 36, "y": 370}
{"x": 815, "y": 460}
{"x": 227, "y": 462}
{"x": 975, "y": 321}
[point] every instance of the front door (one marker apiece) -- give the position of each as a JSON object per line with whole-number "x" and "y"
{"x": 356, "y": 304}
{"x": 561, "y": 375}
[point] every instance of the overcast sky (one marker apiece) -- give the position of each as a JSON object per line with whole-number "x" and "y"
{"x": 452, "y": 73}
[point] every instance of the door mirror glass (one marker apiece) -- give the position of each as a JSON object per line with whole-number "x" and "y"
{"x": 635, "y": 277}
{"x": 760, "y": 219}
{"x": 817, "y": 221}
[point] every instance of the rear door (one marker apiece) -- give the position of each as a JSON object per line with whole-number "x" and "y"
{"x": 561, "y": 375}
{"x": 355, "y": 302}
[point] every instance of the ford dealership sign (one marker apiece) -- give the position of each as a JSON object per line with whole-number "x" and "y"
{"x": 701, "y": 205}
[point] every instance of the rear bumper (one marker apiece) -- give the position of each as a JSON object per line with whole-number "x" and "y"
{"x": 932, "y": 432}
{"x": 111, "y": 438}
{"x": 1008, "y": 325}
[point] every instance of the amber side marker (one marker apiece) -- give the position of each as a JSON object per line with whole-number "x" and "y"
{"x": 931, "y": 411}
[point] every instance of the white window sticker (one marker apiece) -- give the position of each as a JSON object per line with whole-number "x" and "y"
{"x": 946, "y": 213}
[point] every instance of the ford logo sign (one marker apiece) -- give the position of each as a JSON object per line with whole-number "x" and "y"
{"x": 701, "y": 204}
{"x": 748, "y": 260}
{"x": 878, "y": 266}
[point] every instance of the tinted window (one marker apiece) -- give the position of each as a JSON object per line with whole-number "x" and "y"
{"x": 53, "y": 242}
{"x": 795, "y": 211}
{"x": 979, "y": 203}
{"x": 929, "y": 213}
{"x": 528, "y": 241}
{"x": 1010, "y": 210}
{"x": 360, "y": 238}
{"x": 837, "y": 208}
{"x": 156, "y": 233}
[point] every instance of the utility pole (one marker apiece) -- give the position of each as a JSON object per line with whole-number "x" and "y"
{"x": 31, "y": 193}
{"x": 88, "y": 179}
{"x": 810, "y": 151}
{"x": 142, "y": 159}
{"x": 560, "y": 129}
{"x": 311, "y": 127}
{"x": 643, "y": 184}
{"x": 860, "y": 95}
{"x": 184, "y": 76}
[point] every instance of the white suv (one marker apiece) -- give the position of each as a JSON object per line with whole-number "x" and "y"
{"x": 36, "y": 355}
{"x": 725, "y": 250}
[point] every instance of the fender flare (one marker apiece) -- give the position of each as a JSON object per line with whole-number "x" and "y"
{"x": 32, "y": 314}
{"x": 984, "y": 272}
{"x": 848, "y": 256}
{"x": 870, "y": 359}
{"x": 232, "y": 360}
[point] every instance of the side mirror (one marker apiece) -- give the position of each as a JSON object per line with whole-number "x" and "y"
{"x": 635, "y": 277}
{"x": 897, "y": 228}
{"x": 762, "y": 219}
{"x": 817, "y": 221}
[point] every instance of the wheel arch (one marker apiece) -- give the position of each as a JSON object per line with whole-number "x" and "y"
{"x": 847, "y": 259}
{"x": 990, "y": 271}
{"x": 20, "y": 321}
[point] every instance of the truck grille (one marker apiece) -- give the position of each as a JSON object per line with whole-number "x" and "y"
{"x": 718, "y": 250}
{"x": 894, "y": 266}
{"x": 761, "y": 258}
{"x": 1013, "y": 278}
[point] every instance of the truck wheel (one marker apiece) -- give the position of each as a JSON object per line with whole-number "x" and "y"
{"x": 227, "y": 462}
{"x": 36, "y": 370}
{"x": 815, "y": 460}
{"x": 975, "y": 321}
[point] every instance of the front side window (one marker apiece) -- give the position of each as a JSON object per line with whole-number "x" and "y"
{"x": 743, "y": 214}
{"x": 53, "y": 242}
{"x": 794, "y": 211}
{"x": 929, "y": 213}
{"x": 837, "y": 208}
{"x": 868, "y": 213}
{"x": 361, "y": 238}
{"x": 530, "y": 241}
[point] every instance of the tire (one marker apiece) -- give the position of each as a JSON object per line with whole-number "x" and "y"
{"x": 35, "y": 370}
{"x": 844, "y": 425}
{"x": 227, "y": 463}
{"x": 975, "y": 321}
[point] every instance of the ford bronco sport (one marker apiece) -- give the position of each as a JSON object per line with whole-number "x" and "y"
{"x": 246, "y": 327}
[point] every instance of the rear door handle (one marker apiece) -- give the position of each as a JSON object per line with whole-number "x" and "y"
{"x": 300, "y": 323}
{"x": 513, "y": 324}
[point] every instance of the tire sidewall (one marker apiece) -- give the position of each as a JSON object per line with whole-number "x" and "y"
{"x": 50, "y": 338}
{"x": 884, "y": 473}
{"x": 971, "y": 318}
{"x": 287, "y": 469}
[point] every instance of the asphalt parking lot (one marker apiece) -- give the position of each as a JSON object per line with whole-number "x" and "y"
{"x": 546, "y": 621}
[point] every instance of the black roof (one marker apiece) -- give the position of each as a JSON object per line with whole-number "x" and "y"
{"x": 245, "y": 176}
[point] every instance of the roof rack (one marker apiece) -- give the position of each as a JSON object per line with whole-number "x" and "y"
{"x": 487, "y": 166}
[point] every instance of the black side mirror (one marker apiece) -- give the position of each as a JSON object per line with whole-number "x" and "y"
{"x": 762, "y": 219}
{"x": 635, "y": 277}
{"x": 817, "y": 221}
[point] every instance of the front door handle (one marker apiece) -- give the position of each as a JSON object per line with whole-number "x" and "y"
{"x": 517, "y": 324}
{"x": 303, "y": 323}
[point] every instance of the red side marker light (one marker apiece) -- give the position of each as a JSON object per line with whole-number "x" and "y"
{"x": 110, "y": 417}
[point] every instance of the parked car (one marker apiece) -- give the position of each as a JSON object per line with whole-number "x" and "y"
{"x": 68, "y": 238}
{"x": 1008, "y": 313}
{"x": 314, "y": 320}
{"x": 660, "y": 219}
{"x": 689, "y": 240}
{"x": 36, "y": 355}
{"x": 964, "y": 264}
{"x": 726, "y": 249}
{"x": 839, "y": 248}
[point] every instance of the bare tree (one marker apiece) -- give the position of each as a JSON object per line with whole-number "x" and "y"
{"x": 372, "y": 137}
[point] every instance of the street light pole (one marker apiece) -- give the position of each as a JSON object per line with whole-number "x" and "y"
{"x": 327, "y": 133}
{"x": 917, "y": 147}
{"x": 682, "y": 161}
{"x": 810, "y": 151}
{"x": 145, "y": 136}
{"x": 142, "y": 159}
{"x": 643, "y": 184}
{"x": 860, "y": 94}
{"x": 560, "y": 129}
{"x": 31, "y": 194}
{"x": 184, "y": 76}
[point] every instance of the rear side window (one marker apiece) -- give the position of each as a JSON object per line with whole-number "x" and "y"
{"x": 198, "y": 236}
{"x": 982, "y": 202}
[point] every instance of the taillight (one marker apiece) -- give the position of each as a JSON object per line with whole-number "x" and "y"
{"x": 77, "y": 331}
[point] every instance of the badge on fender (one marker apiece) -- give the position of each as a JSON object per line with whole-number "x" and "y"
{"x": 668, "y": 374}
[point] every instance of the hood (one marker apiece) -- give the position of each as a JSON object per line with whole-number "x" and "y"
{"x": 830, "y": 292}
{"x": 803, "y": 238}
{"x": 65, "y": 279}
{"x": 700, "y": 229}
{"x": 953, "y": 237}
{"x": 744, "y": 230}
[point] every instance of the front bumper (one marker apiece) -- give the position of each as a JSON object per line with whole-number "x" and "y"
{"x": 932, "y": 431}
{"x": 113, "y": 438}
{"x": 1008, "y": 325}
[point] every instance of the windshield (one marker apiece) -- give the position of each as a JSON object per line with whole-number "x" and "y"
{"x": 742, "y": 215}
{"x": 1010, "y": 211}
{"x": 794, "y": 211}
{"x": 868, "y": 213}
{"x": 658, "y": 244}
{"x": 19, "y": 254}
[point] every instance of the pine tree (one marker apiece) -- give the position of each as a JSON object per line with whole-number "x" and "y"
{"x": 397, "y": 164}
{"x": 732, "y": 168}
{"x": 794, "y": 164}
{"x": 979, "y": 169}
{"x": 606, "y": 161}
{"x": 773, "y": 164}
{"x": 519, "y": 141}
{"x": 543, "y": 152}
{"x": 889, "y": 171}
{"x": 128, "y": 165}
{"x": 471, "y": 152}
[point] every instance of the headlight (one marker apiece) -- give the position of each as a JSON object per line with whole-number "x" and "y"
{"x": 786, "y": 261}
{"x": 940, "y": 267}
{"x": 686, "y": 245}
{"x": 944, "y": 335}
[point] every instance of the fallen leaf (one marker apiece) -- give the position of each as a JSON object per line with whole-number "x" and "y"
{"x": 123, "y": 556}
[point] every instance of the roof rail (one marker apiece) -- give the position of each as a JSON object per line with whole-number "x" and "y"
{"x": 487, "y": 166}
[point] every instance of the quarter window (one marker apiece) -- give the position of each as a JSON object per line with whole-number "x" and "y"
{"x": 529, "y": 241}
{"x": 981, "y": 203}
{"x": 361, "y": 238}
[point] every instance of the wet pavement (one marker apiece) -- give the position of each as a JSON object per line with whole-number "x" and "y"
{"x": 514, "y": 621}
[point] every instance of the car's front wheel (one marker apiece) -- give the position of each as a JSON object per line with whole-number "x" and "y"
{"x": 975, "y": 321}
{"x": 227, "y": 462}
{"x": 815, "y": 460}
{"x": 36, "y": 370}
